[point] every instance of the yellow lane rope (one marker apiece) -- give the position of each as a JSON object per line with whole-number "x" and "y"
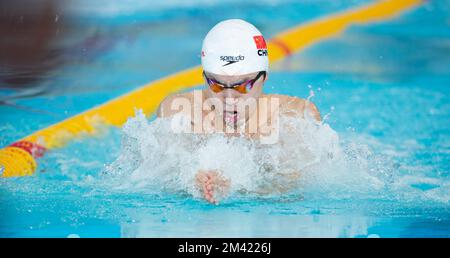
{"x": 18, "y": 159}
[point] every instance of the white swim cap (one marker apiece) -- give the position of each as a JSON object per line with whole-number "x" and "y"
{"x": 234, "y": 47}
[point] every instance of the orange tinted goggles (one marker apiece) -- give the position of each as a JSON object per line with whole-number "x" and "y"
{"x": 242, "y": 88}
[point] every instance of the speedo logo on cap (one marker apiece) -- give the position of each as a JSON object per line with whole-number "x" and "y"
{"x": 231, "y": 59}
{"x": 260, "y": 45}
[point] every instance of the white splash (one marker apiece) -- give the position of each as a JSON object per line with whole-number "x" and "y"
{"x": 153, "y": 159}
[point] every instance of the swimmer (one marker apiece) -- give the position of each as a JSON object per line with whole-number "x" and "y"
{"x": 235, "y": 66}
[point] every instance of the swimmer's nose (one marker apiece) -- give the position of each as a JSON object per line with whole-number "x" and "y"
{"x": 231, "y": 101}
{"x": 230, "y": 93}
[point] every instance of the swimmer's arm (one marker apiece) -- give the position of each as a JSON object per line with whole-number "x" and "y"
{"x": 313, "y": 110}
{"x": 159, "y": 112}
{"x": 294, "y": 106}
{"x": 166, "y": 108}
{"x": 212, "y": 185}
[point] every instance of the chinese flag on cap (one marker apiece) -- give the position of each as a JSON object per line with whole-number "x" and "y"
{"x": 260, "y": 42}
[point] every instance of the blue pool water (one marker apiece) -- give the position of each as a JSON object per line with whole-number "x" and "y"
{"x": 384, "y": 89}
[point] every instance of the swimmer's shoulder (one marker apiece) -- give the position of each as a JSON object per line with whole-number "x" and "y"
{"x": 291, "y": 105}
{"x": 167, "y": 109}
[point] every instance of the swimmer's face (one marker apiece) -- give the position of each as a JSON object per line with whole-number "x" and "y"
{"x": 231, "y": 98}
